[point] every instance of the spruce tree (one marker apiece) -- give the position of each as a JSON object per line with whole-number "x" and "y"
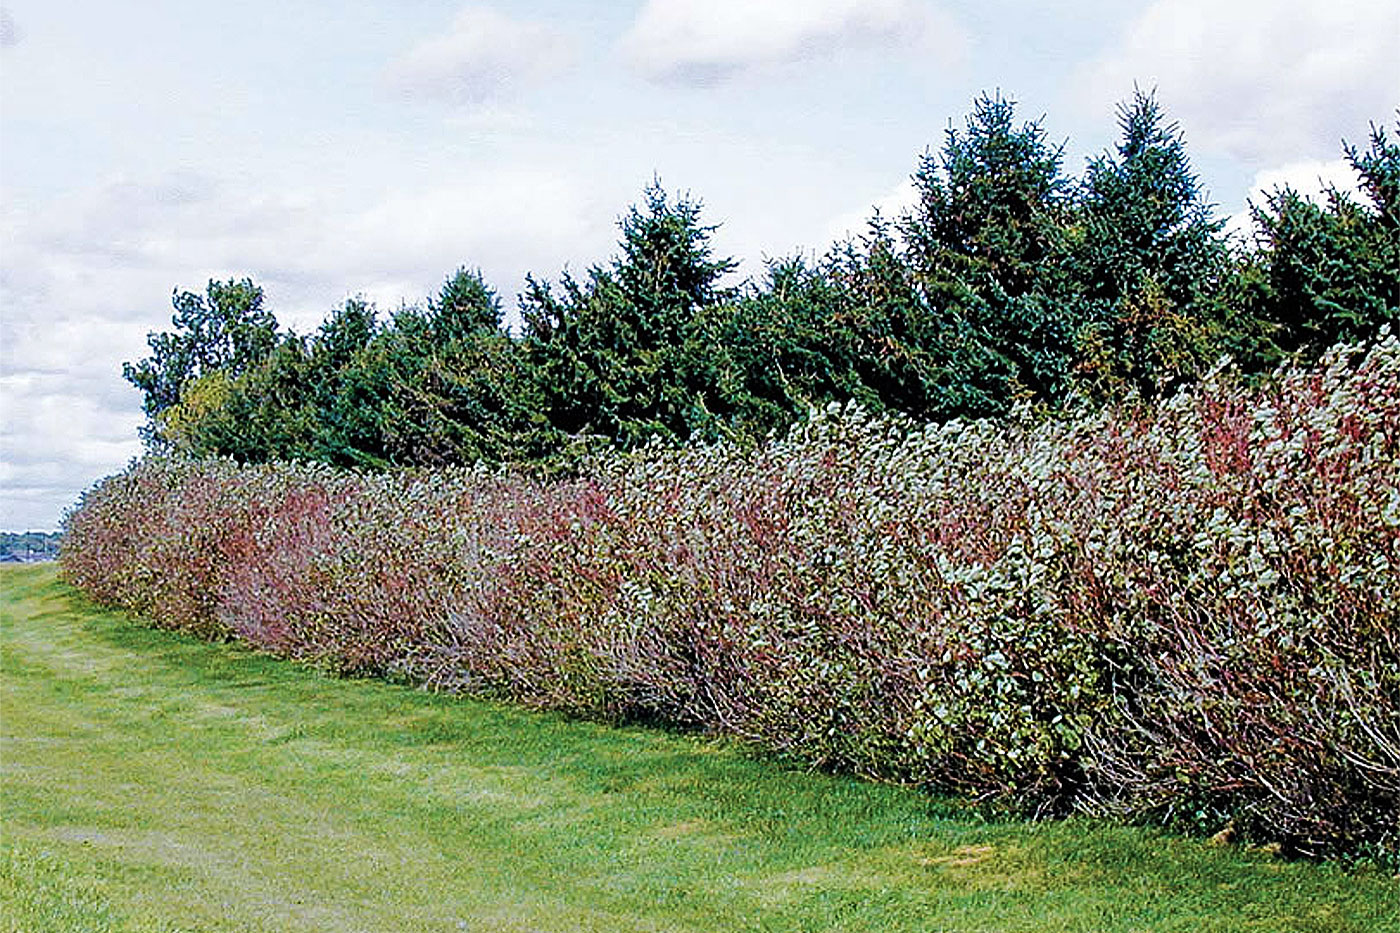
{"x": 983, "y": 241}
{"x": 1148, "y": 263}
{"x": 628, "y": 354}
{"x": 1331, "y": 272}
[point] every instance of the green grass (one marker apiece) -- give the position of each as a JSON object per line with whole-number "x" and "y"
{"x": 152, "y": 782}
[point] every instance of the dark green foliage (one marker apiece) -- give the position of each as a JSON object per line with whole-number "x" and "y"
{"x": 1148, "y": 263}
{"x": 952, "y": 312}
{"x": 437, "y": 386}
{"x": 629, "y": 353}
{"x": 225, "y": 330}
{"x": 441, "y": 386}
{"x": 1331, "y": 273}
{"x": 465, "y": 305}
{"x": 987, "y": 203}
{"x": 449, "y": 386}
{"x": 345, "y": 403}
{"x": 1007, "y": 284}
{"x": 782, "y": 352}
{"x": 983, "y": 243}
{"x": 347, "y": 332}
{"x": 857, "y": 326}
{"x": 265, "y": 413}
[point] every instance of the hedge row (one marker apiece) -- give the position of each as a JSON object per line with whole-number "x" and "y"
{"x": 1186, "y": 613}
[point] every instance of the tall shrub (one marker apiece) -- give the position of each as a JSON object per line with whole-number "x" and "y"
{"x": 1185, "y": 613}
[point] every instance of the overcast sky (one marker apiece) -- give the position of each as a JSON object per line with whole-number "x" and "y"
{"x": 372, "y": 147}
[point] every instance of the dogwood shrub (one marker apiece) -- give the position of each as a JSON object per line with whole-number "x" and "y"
{"x": 1186, "y": 612}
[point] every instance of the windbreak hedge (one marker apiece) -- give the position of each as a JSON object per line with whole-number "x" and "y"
{"x": 1185, "y": 613}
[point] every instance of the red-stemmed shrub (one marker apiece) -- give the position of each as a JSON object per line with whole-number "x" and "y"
{"x": 1188, "y": 612}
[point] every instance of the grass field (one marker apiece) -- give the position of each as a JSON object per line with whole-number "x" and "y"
{"x": 155, "y": 783}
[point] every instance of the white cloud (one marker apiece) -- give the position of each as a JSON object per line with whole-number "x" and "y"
{"x": 484, "y": 55}
{"x": 710, "y": 41}
{"x": 310, "y": 245}
{"x": 1260, "y": 80}
{"x": 1311, "y": 179}
{"x": 57, "y": 440}
{"x": 85, "y": 278}
{"x": 891, "y": 206}
{"x": 10, "y": 33}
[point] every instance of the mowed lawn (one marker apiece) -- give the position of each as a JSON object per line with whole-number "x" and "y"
{"x": 156, "y": 783}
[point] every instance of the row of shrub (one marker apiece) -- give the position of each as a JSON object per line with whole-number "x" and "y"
{"x": 1185, "y": 613}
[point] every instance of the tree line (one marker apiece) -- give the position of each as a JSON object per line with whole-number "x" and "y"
{"x": 1007, "y": 283}
{"x": 28, "y": 545}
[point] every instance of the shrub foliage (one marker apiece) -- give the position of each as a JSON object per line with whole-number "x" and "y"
{"x": 1185, "y": 612}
